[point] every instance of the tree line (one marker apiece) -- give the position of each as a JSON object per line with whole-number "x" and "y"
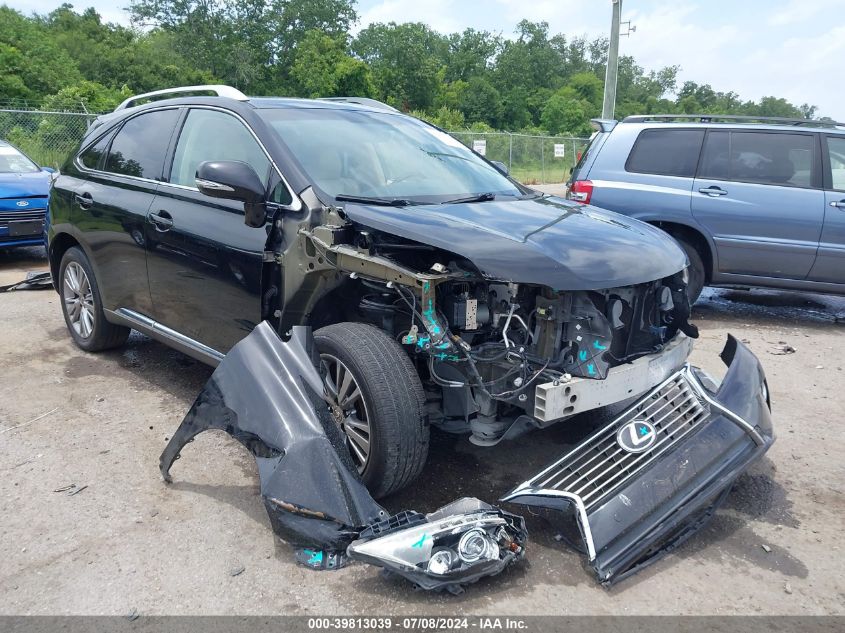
{"x": 534, "y": 81}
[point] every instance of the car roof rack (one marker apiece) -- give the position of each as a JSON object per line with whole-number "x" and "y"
{"x": 366, "y": 101}
{"x": 730, "y": 118}
{"x": 219, "y": 90}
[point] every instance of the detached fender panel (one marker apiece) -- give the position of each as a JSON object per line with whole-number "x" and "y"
{"x": 656, "y": 474}
{"x": 267, "y": 395}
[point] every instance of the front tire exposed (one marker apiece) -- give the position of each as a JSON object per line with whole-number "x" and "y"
{"x": 378, "y": 401}
{"x": 82, "y": 305}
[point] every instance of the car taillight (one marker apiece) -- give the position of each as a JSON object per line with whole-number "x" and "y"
{"x": 581, "y": 191}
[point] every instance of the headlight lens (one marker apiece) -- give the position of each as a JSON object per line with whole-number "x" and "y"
{"x": 459, "y": 543}
{"x": 475, "y": 545}
{"x": 441, "y": 562}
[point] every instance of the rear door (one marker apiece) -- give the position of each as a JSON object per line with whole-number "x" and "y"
{"x": 204, "y": 263}
{"x": 758, "y": 193}
{"x": 119, "y": 175}
{"x": 830, "y": 262}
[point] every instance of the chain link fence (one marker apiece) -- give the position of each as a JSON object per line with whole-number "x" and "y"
{"x": 49, "y": 138}
{"x": 532, "y": 160}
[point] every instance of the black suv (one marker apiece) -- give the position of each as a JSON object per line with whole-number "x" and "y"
{"x": 441, "y": 291}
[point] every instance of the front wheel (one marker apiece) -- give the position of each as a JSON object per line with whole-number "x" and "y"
{"x": 377, "y": 400}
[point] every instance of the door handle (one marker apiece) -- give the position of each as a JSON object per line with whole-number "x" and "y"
{"x": 162, "y": 221}
{"x": 86, "y": 201}
{"x": 838, "y": 204}
{"x": 713, "y": 191}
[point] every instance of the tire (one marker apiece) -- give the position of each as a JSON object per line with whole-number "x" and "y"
{"x": 697, "y": 274}
{"x": 393, "y": 400}
{"x": 82, "y": 305}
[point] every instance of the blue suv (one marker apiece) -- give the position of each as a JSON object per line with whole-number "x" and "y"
{"x": 753, "y": 201}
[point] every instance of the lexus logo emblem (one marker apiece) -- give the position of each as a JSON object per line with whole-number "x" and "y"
{"x": 636, "y": 436}
{"x": 22, "y": 203}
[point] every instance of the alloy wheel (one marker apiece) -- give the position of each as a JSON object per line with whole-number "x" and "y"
{"x": 347, "y": 407}
{"x": 79, "y": 299}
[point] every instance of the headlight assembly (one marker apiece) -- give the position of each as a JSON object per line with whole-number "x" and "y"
{"x": 454, "y": 546}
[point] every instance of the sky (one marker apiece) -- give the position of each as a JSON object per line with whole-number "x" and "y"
{"x": 786, "y": 48}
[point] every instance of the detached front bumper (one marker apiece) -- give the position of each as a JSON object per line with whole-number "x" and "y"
{"x": 656, "y": 474}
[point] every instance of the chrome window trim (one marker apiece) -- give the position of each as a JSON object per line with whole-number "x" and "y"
{"x": 295, "y": 205}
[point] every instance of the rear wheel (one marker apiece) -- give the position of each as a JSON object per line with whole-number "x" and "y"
{"x": 377, "y": 400}
{"x": 697, "y": 274}
{"x": 82, "y": 306}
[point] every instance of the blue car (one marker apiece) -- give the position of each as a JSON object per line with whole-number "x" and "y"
{"x": 754, "y": 201}
{"x": 24, "y": 190}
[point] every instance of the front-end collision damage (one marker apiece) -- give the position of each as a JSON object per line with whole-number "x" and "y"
{"x": 652, "y": 477}
{"x": 268, "y": 395}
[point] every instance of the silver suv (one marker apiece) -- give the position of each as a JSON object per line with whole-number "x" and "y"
{"x": 753, "y": 201}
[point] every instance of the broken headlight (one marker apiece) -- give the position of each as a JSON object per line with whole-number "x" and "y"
{"x": 456, "y": 545}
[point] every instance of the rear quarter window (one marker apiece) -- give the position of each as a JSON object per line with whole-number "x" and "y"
{"x": 666, "y": 152}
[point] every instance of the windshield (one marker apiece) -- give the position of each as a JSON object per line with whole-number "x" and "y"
{"x": 13, "y": 162}
{"x": 356, "y": 153}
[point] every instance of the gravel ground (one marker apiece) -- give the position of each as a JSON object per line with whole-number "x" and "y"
{"x": 127, "y": 542}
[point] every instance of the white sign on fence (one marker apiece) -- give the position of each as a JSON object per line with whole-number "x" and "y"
{"x": 560, "y": 150}
{"x": 480, "y": 146}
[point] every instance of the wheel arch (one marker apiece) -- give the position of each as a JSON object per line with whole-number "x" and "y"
{"x": 694, "y": 237}
{"x": 58, "y": 246}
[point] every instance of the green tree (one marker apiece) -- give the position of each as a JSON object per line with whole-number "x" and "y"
{"x": 482, "y": 102}
{"x": 405, "y": 59}
{"x": 33, "y": 65}
{"x": 322, "y": 68}
{"x": 565, "y": 115}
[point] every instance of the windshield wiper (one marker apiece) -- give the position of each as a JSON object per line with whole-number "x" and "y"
{"x": 383, "y": 202}
{"x": 479, "y": 197}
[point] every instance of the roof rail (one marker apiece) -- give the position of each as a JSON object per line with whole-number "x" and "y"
{"x": 362, "y": 101}
{"x": 730, "y": 118}
{"x": 219, "y": 90}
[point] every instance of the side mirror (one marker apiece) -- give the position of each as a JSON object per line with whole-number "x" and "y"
{"x": 501, "y": 166}
{"x": 234, "y": 180}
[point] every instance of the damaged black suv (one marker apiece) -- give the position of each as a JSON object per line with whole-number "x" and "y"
{"x": 440, "y": 291}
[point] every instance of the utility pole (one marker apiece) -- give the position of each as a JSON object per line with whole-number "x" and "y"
{"x": 612, "y": 63}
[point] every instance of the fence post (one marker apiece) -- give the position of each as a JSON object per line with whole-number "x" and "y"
{"x": 543, "y": 160}
{"x": 510, "y": 152}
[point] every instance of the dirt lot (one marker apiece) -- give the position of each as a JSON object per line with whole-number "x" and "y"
{"x": 129, "y": 542}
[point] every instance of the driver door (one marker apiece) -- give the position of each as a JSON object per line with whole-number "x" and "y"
{"x": 204, "y": 264}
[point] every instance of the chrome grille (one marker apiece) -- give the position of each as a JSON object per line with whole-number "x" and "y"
{"x": 598, "y": 466}
{"x": 15, "y": 216}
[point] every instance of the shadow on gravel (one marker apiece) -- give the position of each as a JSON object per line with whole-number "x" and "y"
{"x": 770, "y": 307}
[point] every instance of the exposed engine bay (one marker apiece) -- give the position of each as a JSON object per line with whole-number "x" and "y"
{"x": 492, "y": 354}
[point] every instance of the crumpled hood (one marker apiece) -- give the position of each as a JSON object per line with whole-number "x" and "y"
{"x": 24, "y": 185}
{"x": 546, "y": 241}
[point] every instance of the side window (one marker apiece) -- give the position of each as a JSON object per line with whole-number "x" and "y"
{"x": 836, "y": 151}
{"x": 141, "y": 144}
{"x": 214, "y": 135}
{"x": 666, "y": 152}
{"x": 91, "y": 156}
{"x": 759, "y": 157}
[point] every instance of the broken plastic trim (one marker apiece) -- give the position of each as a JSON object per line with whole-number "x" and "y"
{"x": 264, "y": 394}
{"x": 457, "y": 545}
{"x": 33, "y": 281}
{"x": 634, "y": 507}
{"x": 267, "y": 394}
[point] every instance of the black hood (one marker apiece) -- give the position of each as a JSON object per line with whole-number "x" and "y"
{"x": 545, "y": 241}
